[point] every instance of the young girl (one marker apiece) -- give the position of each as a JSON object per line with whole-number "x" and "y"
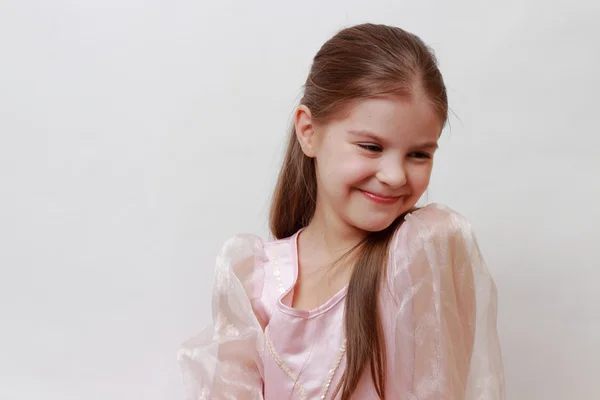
{"x": 361, "y": 295}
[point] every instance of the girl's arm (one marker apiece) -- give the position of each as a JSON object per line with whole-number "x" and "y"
{"x": 223, "y": 361}
{"x": 456, "y": 352}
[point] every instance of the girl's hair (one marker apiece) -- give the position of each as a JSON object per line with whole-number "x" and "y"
{"x": 363, "y": 61}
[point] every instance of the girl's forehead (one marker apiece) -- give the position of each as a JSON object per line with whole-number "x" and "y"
{"x": 391, "y": 117}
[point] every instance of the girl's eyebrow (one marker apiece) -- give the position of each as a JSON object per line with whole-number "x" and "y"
{"x": 367, "y": 134}
{"x": 427, "y": 145}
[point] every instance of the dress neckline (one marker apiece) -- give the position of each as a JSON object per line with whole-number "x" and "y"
{"x": 306, "y": 314}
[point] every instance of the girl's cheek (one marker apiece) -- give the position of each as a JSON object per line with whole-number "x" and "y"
{"x": 357, "y": 170}
{"x": 420, "y": 177}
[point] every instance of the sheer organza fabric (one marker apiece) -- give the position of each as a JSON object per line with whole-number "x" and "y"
{"x": 438, "y": 307}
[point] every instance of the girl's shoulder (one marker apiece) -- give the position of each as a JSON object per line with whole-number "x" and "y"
{"x": 248, "y": 248}
{"x": 236, "y": 263}
{"x": 433, "y": 221}
{"x": 437, "y": 214}
{"x": 260, "y": 270}
{"x": 240, "y": 253}
{"x": 252, "y": 260}
{"x": 433, "y": 233}
{"x": 435, "y": 252}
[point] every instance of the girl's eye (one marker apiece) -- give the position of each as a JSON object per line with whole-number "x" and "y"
{"x": 370, "y": 147}
{"x": 420, "y": 155}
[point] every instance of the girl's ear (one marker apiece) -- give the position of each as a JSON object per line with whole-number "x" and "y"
{"x": 305, "y": 130}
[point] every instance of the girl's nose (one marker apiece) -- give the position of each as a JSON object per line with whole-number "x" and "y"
{"x": 392, "y": 174}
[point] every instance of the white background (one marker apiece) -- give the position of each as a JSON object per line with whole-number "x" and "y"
{"x": 136, "y": 136}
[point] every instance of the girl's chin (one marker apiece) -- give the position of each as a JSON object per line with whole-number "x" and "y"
{"x": 371, "y": 224}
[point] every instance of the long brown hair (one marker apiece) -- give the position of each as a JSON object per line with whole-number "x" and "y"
{"x": 359, "y": 62}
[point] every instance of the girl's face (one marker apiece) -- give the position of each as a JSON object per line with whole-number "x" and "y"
{"x": 374, "y": 163}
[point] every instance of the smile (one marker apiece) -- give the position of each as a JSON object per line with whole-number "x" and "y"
{"x": 377, "y": 198}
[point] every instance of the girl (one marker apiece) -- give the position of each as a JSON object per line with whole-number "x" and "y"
{"x": 361, "y": 295}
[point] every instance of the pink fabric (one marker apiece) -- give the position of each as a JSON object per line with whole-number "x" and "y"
{"x": 438, "y": 310}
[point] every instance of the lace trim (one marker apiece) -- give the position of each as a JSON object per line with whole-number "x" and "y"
{"x": 294, "y": 377}
{"x": 284, "y": 367}
{"x": 332, "y": 370}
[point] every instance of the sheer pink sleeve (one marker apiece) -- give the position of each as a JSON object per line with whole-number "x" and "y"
{"x": 223, "y": 361}
{"x": 447, "y": 310}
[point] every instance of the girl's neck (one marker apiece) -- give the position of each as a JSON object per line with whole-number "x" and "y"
{"x": 329, "y": 235}
{"x": 323, "y": 244}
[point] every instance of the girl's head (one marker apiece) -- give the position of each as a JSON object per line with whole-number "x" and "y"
{"x": 373, "y": 164}
{"x": 373, "y": 108}
{"x": 361, "y": 151}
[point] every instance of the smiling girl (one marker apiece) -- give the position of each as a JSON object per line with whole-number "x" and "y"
{"x": 361, "y": 295}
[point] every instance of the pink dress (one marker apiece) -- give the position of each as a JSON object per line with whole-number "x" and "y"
{"x": 438, "y": 306}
